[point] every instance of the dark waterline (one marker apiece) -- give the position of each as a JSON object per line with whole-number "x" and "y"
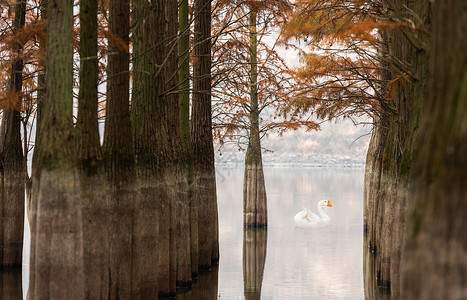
{"x": 325, "y": 263}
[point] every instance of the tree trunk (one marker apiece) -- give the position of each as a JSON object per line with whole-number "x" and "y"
{"x": 92, "y": 189}
{"x": 12, "y": 201}
{"x": 32, "y": 200}
{"x": 204, "y": 178}
{"x": 434, "y": 260}
{"x": 119, "y": 161}
{"x": 152, "y": 149}
{"x": 56, "y": 236}
{"x": 184, "y": 117}
{"x": 419, "y": 201}
{"x": 180, "y": 213}
{"x": 255, "y": 212}
{"x": 254, "y": 257}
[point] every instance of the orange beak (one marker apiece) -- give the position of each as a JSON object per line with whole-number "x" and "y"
{"x": 329, "y": 203}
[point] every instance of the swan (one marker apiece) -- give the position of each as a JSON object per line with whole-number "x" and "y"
{"x": 307, "y": 219}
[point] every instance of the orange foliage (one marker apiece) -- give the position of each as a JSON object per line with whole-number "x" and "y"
{"x": 115, "y": 41}
{"x": 10, "y": 100}
{"x": 35, "y": 30}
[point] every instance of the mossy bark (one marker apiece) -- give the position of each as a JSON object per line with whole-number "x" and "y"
{"x": 434, "y": 257}
{"x": 57, "y": 236}
{"x": 180, "y": 212}
{"x": 204, "y": 178}
{"x": 254, "y": 189}
{"x": 184, "y": 119}
{"x": 414, "y": 197}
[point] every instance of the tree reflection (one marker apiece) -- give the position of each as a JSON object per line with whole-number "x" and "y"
{"x": 10, "y": 284}
{"x": 205, "y": 288}
{"x": 254, "y": 258}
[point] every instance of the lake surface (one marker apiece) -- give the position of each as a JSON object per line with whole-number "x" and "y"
{"x": 323, "y": 263}
{"x": 282, "y": 262}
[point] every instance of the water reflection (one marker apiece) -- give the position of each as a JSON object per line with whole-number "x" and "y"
{"x": 325, "y": 263}
{"x": 300, "y": 264}
{"x": 10, "y": 284}
{"x": 371, "y": 277}
{"x": 205, "y": 288}
{"x": 254, "y": 258}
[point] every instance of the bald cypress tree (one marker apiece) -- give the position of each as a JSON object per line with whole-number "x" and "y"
{"x": 12, "y": 193}
{"x": 91, "y": 181}
{"x": 152, "y": 150}
{"x": 204, "y": 179}
{"x": 119, "y": 159}
{"x": 56, "y": 236}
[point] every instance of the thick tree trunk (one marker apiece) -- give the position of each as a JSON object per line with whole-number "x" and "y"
{"x": 119, "y": 161}
{"x": 420, "y": 188}
{"x": 255, "y": 212}
{"x": 92, "y": 188}
{"x": 435, "y": 256}
{"x": 56, "y": 236}
{"x": 152, "y": 149}
{"x": 204, "y": 179}
{"x": 254, "y": 257}
{"x": 12, "y": 201}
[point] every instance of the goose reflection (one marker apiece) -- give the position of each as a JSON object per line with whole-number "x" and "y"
{"x": 254, "y": 258}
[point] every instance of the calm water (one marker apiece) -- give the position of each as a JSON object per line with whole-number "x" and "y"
{"x": 324, "y": 263}
{"x": 283, "y": 262}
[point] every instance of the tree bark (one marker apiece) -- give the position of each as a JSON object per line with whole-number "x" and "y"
{"x": 204, "y": 178}
{"x": 152, "y": 150}
{"x": 12, "y": 224}
{"x": 180, "y": 213}
{"x": 254, "y": 190}
{"x": 416, "y": 193}
{"x": 119, "y": 161}
{"x": 184, "y": 117}
{"x": 92, "y": 188}
{"x": 32, "y": 201}
{"x": 57, "y": 235}
{"x": 435, "y": 258}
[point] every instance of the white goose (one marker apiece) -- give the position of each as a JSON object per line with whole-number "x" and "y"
{"x": 307, "y": 219}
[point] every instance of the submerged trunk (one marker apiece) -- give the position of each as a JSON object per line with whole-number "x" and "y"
{"x": 204, "y": 178}
{"x": 56, "y": 235}
{"x": 152, "y": 149}
{"x": 10, "y": 284}
{"x": 91, "y": 179}
{"x": 180, "y": 212}
{"x": 119, "y": 161}
{"x": 32, "y": 204}
{"x": 415, "y": 197}
{"x": 184, "y": 121}
{"x": 435, "y": 258}
{"x": 255, "y": 212}
{"x": 254, "y": 257}
{"x": 12, "y": 194}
